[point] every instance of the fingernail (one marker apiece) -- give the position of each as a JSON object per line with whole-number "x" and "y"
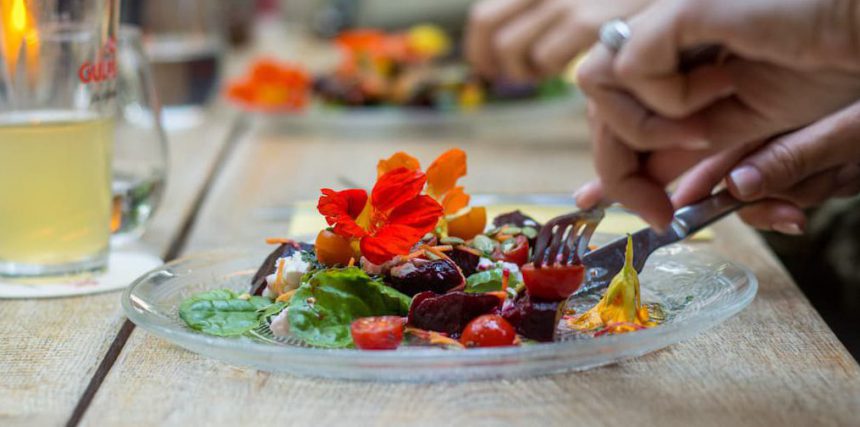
{"x": 790, "y": 228}
{"x": 696, "y": 144}
{"x": 747, "y": 180}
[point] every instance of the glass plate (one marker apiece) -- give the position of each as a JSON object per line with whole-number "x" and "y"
{"x": 696, "y": 288}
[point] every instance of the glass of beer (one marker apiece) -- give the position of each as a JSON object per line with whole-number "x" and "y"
{"x": 57, "y": 89}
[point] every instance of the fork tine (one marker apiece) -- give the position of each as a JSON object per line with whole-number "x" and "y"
{"x": 554, "y": 247}
{"x": 570, "y": 242}
{"x": 564, "y": 236}
{"x": 545, "y": 236}
{"x": 582, "y": 243}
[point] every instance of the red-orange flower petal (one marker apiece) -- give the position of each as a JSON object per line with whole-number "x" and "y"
{"x": 387, "y": 243}
{"x": 399, "y": 159}
{"x": 443, "y": 174}
{"x": 340, "y": 208}
{"x": 421, "y": 214}
{"x": 455, "y": 200}
{"x": 406, "y": 225}
{"x": 395, "y": 188}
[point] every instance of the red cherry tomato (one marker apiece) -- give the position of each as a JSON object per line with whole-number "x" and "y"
{"x": 552, "y": 283}
{"x": 377, "y": 333}
{"x": 519, "y": 253}
{"x": 489, "y": 330}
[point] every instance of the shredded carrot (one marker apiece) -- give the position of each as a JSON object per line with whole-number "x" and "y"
{"x": 506, "y": 276}
{"x": 432, "y": 337}
{"x": 443, "y": 248}
{"x": 503, "y": 237}
{"x": 277, "y": 287}
{"x": 470, "y": 250}
{"x": 286, "y": 296}
{"x": 434, "y": 251}
{"x": 499, "y": 294}
{"x": 351, "y": 262}
{"x": 278, "y": 241}
{"x": 416, "y": 254}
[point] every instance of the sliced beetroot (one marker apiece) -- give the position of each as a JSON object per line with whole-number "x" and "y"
{"x": 517, "y": 219}
{"x": 533, "y": 318}
{"x": 451, "y": 312}
{"x": 467, "y": 261}
{"x": 258, "y": 282}
{"x": 439, "y": 276}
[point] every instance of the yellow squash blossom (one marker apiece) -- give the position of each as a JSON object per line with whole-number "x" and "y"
{"x": 620, "y": 310}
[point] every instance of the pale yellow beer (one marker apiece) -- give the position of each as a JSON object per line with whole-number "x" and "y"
{"x": 55, "y": 196}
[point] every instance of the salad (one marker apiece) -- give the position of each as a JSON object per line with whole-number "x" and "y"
{"x": 413, "y": 264}
{"x": 413, "y": 68}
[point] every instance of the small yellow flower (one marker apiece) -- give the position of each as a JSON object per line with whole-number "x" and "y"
{"x": 429, "y": 41}
{"x": 620, "y": 310}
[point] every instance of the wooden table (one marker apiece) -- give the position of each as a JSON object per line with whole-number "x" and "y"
{"x": 78, "y": 361}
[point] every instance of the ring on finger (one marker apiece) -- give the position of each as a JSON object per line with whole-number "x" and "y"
{"x": 613, "y": 34}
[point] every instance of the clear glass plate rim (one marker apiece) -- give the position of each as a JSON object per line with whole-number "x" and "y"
{"x": 480, "y": 355}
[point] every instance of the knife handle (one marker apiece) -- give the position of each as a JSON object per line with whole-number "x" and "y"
{"x": 699, "y": 215}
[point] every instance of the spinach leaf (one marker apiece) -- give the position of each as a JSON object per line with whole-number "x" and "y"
{"x": 323, "y": 308}
{"x": 221, "y": 312}
{"x": 491, "y": 281}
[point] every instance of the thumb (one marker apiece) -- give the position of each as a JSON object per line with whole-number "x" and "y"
{"x": 789, "y": 159}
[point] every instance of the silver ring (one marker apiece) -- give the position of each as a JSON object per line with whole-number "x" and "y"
{"x": 613, "y": 34}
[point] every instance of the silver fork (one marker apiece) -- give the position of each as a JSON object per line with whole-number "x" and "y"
{"x": 605, "y": 262}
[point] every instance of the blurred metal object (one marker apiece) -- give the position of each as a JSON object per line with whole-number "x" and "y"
{"x": 613, "y": 34}
{"x": 184, "y": 41}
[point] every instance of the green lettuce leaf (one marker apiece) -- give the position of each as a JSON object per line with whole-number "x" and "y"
{"x": 221, "y": 312}
{"x": 491, "y": 281}
{"x": 323, "y": 307}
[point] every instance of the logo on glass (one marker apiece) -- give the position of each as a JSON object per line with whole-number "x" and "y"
{"x": 104, "y": 68}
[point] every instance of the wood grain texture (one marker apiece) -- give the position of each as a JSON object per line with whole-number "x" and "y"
{"x": 50, "y": 348}
{"x": 776, "y": 363}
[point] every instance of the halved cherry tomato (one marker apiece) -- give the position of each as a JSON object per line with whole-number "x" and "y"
{"x": 469, "y": 224}
{"x": 519, "y": 253}
{"x": 489, "y": 330}
{"x": 552, "y": 283}
{"x": 332, "y": 249}
{"x": 377, "y": 333}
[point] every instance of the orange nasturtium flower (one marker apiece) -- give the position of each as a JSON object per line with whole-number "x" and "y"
{"x": 271, "y": 86}
{"x": 442, "y": 176}
{"x": 389, "y": 222}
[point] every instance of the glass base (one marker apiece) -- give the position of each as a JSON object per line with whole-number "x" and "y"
{"x": 16, "y": 270}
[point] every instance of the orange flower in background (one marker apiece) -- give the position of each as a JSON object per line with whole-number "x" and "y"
{"x": 271, "y": 86}
{"x": 391, "y": 221}
{"x": 442, "y": 176}
{"x": 362, "y": 40}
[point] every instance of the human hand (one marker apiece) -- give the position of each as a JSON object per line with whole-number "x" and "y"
{"x": 522, "y": 39}
{"x": 680, "y": 118}
{"x": 798, "y": 170}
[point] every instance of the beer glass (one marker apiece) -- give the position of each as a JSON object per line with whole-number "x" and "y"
{"x": 57, "y": 89}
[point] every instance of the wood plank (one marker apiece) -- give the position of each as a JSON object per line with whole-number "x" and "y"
{"x": 50, "y": 349}
{"x": 775, "y": 363}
